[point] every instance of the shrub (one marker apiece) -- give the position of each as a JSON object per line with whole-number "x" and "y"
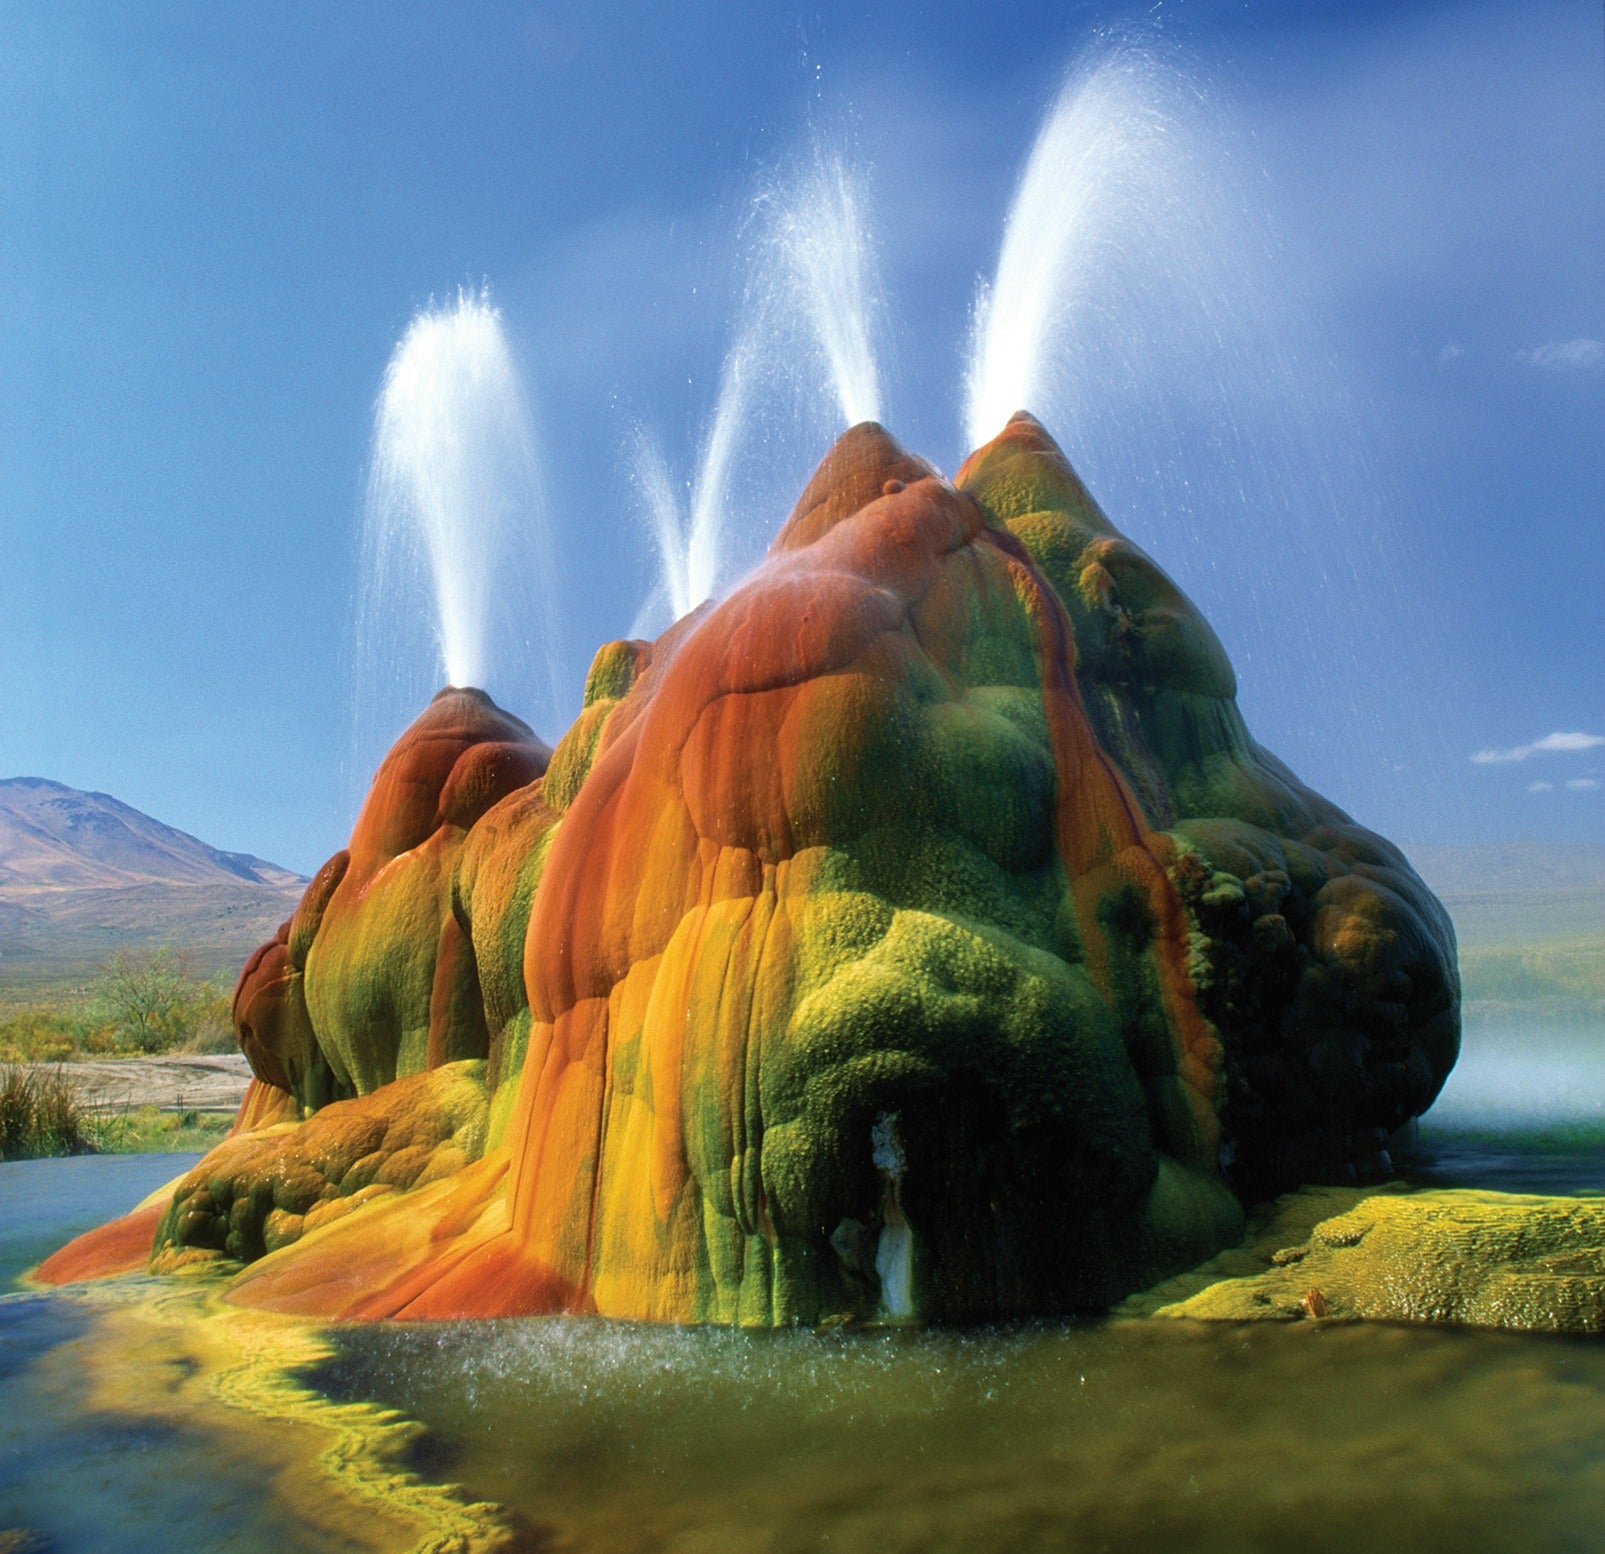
{"x": 40, "y": 1036}
{"x": 153, "y": 1001}
{"x": 41, "y": 1114}
{"x": 213, "y": 1032}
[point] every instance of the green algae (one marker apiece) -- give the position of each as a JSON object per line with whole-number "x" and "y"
{"x": 1480, "y": 1259}
{"x": 175, "y": 1356}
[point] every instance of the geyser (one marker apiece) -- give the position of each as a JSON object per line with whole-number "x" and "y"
{"x": 808, "y": 312}
{"x": 689, "y": 534}
{"x": 917, "y": 932}
{"x": 453, "y": 507}
{"x": 1145, "y": 305}
{"x": 817, "y": 230}
{"x": 1104, "y": 160}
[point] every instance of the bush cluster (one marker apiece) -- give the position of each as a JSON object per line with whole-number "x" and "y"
{"x": 143, "y": 1001}
{"x": 153, "y": 1001}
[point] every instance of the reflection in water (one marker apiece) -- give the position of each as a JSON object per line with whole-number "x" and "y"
{"x": 1116, "y": 1436}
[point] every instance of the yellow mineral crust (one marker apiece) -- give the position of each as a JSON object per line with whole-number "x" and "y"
{"x": 1457, "y": 1256}
{"x": 263, "y": 1190}
{"x": 174, "y": 1354}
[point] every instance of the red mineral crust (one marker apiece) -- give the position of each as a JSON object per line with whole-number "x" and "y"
{"x": 119, "y": 1246}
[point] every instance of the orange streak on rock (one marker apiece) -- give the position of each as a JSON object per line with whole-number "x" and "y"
{"x": 1101, "y": 830}
{"x": 264, "y": 1106}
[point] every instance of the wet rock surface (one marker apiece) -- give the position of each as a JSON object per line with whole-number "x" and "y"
{"x": 1443, "y": 1256}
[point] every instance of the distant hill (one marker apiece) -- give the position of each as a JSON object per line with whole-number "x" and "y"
{"x": 1530, "y": 918}
{"x": 83, "y": 874}
{"x": 54, "y": 837}
{"x": 1508, "y": 893}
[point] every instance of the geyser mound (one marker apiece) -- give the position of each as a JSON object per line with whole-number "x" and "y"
{"x": 917, "y": 932}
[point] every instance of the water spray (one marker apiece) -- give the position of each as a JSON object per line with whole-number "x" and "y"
{"x": 454, "y": 531}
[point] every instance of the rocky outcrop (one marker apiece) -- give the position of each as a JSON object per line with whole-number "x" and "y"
{"x": 375, "y": 976}
{"x": 1324, "y": 964}
{"x": 1455, "y": 1256}
{"x": 918, "y": 932}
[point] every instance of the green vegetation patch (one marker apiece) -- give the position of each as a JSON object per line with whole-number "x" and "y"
{"x": 43, "y": 1115}
{"x": 142, "y": 1001}
{"x": 144, "y": 1130}
{"x": 52, "y": 1035}
{"x": 1559, "y": 983}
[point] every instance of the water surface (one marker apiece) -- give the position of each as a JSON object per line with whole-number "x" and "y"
{"x": 80, "y": 1479}
{"x": 1108, "y": 1435}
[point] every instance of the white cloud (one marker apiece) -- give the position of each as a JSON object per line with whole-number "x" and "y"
{"x": 1550, "y": 742}
{"x": 1566, "y": 355}
{"x": 1583, "y": 784}
{"x": 1453, "y": 351}
{"x": 1540, "y": 787}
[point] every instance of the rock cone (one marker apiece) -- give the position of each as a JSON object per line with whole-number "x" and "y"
{"x": 917, "y": 932}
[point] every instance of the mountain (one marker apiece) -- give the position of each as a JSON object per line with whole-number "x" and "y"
{"x": 54, "y": 837}
{"x": 83, "y": 874}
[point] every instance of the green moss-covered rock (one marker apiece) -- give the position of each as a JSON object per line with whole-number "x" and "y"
{"x": 262, "y": 1190}
{"x": 1322, "y": 961}
{"x": 916, "y": 932}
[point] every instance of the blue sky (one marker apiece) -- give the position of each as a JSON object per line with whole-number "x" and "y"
{"x": 1380, "y": 475}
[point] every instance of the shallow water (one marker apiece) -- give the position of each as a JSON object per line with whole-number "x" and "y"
{"x": 1112, "y": 1436}
{"x": 1107, "y": 1435}
{"x": 46, "y": 1202}
{"x": 76, "y": 1477}
{"x": 596, "y": 1436}
{"x": 1568, "y": 1158}
{"x": 89, "y": 1481}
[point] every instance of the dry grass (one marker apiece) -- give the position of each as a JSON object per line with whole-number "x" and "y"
{"x": 142, "y": 1001}
{"x": 41, "y": 1115}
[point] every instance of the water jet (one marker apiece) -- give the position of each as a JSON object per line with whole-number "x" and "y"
{"x": 815, "y": 236}
{"x": 811, "y": 298}
{"x": 1103, "y": 164}
{"x": 454, "y": 532}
